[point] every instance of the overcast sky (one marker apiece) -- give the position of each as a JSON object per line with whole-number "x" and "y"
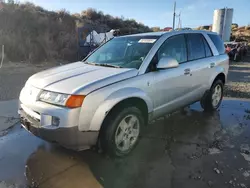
{"x": 156, "y": 12}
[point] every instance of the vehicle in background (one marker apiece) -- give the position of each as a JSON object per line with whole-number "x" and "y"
{"x": 111, "y": 95}
{"x": 89, "y": 38}
{"x": 183, "y": 29}
{"x": 167, "y": 29}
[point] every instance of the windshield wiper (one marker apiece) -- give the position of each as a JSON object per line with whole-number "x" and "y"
{"x": 90, "y": 63}
{"x": 102, "y": 64}
{"x": 109, "y": 65}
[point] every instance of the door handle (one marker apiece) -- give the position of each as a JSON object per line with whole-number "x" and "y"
{"x": 186, "y": 71}
{"x": 212, "y": 65}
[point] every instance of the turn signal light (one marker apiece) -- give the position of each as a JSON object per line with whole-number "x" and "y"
{"x": 75, "y": 101}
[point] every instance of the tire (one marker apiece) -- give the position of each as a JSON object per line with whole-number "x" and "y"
{"x": 115, "y": 131}
{"x": 211, "y": 101}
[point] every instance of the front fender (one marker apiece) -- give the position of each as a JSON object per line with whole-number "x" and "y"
{"x": 114, "y": 99}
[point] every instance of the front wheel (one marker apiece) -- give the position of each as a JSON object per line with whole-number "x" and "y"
{"x": 121, "y": 131}
{"x": 212, "y": 99}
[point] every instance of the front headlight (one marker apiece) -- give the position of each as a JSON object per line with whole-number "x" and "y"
{"x": 54, "y": 98}
{"x": 70, "y": 101}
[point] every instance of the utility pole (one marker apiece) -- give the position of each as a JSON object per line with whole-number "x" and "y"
{"x": 174, "y": 15}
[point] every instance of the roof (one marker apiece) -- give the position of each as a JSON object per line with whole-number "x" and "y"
{"x": 147, "y": 34}
{"x": 170, "y": 32}
{"x": 191, "y": 31}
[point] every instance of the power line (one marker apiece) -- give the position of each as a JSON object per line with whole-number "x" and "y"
{"x": 179, "y": 20}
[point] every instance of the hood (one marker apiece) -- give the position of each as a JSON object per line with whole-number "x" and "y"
{"x": 79, "y": 78}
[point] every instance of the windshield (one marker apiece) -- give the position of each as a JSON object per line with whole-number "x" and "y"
{"x": 124, "y": 52}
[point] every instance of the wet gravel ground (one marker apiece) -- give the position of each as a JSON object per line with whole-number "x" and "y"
{"x": 182, "y": 150}
{"x": 188, "y": 149}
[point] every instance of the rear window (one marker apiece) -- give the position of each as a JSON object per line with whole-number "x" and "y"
{"x": 218, "y": 43}
{"x": 207, "y": 48}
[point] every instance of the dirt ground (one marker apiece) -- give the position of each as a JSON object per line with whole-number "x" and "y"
{"x": 14, "y": 75}
{"x": 188, "y": 149}
{"x": 238, "y": 84}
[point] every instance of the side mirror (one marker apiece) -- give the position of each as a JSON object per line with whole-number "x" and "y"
{"x": 167, "y": 63}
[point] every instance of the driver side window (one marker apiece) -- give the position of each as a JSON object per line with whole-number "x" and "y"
{"x": 174, "y": 47}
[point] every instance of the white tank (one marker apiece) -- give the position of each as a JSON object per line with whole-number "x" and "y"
{"x": 222, "y": 23}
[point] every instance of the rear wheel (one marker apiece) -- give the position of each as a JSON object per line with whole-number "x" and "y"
{"x": 212, "y": 99}
{"x": 121, "y": 131}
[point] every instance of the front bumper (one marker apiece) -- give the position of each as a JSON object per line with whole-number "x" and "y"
{"x": 69, "y": 137}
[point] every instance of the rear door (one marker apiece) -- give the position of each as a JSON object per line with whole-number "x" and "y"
{"x": 220, "y": 58}
{"x": 199, "y": 60}
{"x": 220, "y": 61}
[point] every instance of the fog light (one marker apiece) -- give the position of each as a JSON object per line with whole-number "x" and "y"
{"x": 55, "y": 121}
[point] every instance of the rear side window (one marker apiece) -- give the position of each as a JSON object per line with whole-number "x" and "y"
{"x": 195, "y": 45}
{"x": 207, "y": 48}
{"x": 174, "y": 47}
{"x": 218, "y": 43}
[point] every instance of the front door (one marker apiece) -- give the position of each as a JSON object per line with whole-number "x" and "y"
{"x": 171, "y": 86}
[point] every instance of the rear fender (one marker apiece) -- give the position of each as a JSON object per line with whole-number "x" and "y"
{"x": 114, "y": 99}
{"x": 219, "y": 70}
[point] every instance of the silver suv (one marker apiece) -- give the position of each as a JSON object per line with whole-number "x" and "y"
{"x": 111, "y": 95}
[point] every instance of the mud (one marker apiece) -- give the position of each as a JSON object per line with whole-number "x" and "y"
{"x": 186, "y": 149}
